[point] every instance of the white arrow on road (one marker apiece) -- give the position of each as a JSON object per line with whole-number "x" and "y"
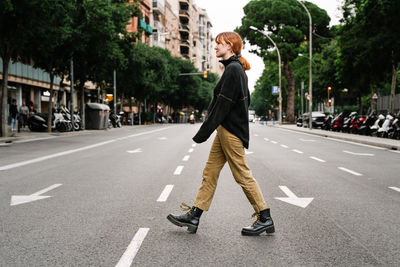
{"x": 16, "y": 200}
{"x": 293, "y": 199}
{"x": 138, "y": 150}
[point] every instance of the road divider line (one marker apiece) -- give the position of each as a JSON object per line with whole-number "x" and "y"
{"x": 274, "y": 142}
{"x": 165, "y": 193}
{"x": 190, "y": 150}
{"x": 194, "y": 145}
{"x": 130, "y": 253}
{"x": 395, "y": 188}
{"x": 358, "y": 154}
{"x": 307, "y": 140}
{"x": 266, "y": 139}
{"x": 317, "y": 159}
{"x": 297, "y": 151}
{"x": 186, "y": 158}
{"x": 284, "y": 146}
{"x": 178, "y": 170}
{"x": 350, "y": 171}
{"x": 358, "y": 144}
{"x": 23, "y": 163}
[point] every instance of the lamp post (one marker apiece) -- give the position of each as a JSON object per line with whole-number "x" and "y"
{"x": 310, "y": 70}
{"x": 280, "y": 72}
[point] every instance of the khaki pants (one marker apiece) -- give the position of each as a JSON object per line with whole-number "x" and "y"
{"x": 227, "y": 147}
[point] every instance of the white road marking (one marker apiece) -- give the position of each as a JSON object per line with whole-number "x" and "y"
{"x": 317, "y": 159}
{"x": 293, "y": 199}
{"x": 17, "y": 200}
{"x": 255, "y": 134}
{"x": 130, "y": 253}
{"x": 165, "y": 193}
{"x": 395, "y": 151}
{"x": 266, "y": 139}
{"x": 350, "y": 171}
{"x": 307, "y": 140}
{"x": 190, "y": 150}
{"x": 186, "y": 158}
{"x": 23, "y": 163}
{"x": 284, "y": 146}
{"x": 178, "y": 170}
{"x": 162, "y": 138}
{"x": 248, "y": 152}
{"x": 358, "y": 144}
{"x": 297, "y": 151}
{"x": 138, "y": 150}
{"x": 358, "y": 154}
{"x": 395, "y": 188}
{"x": 194, "y": 145}
{"x": 274, "y": 142}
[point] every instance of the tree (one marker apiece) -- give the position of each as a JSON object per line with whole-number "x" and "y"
{"x": 288, "y": 23}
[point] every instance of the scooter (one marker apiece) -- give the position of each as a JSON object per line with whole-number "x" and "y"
{"x": 37, "y": 123}
{"x": 337, "y": 122}
{"x": 347, "y": 122}
{"x": 327, "y": 123}
{"x": 377, "y": 124}
{"x": 395, "y": 129}
{"x": 365, "y": 128}
{"x": 115, "y": 119}
{"x": 384, "y": 130}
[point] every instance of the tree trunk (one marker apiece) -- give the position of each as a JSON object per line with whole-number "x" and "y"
{"x": 82, "y": 90}
{"x": 290, "y": 78}
{"x": 130, "y": 110}
{"x": 4, "y": 97}
{"x": 49, "y": 119}
{"x": 140, "y": 112}
{"x": 371, "y": 87}
{"x": 393, "y": 88}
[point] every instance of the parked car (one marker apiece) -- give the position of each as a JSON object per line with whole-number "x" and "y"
{"x": 318, "y": 119}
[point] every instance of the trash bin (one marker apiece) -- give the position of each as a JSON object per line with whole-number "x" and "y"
{"x": 96, "y": 116}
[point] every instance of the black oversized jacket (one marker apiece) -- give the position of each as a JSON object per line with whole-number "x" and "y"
{"x": 230, "y": 104}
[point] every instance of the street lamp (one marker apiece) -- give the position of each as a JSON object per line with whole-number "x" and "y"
{"x": 310, "y": 70}
{"x": 280, "y": 75}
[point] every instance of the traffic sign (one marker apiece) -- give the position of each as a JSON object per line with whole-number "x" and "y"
{"x": 275, "y": 90}
{"x": 375, "y": 96}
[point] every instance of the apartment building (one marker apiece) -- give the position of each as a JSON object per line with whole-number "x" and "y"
{"x": 143, "y": 23}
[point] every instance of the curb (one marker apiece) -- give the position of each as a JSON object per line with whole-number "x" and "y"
{"x": 348, "y": 138}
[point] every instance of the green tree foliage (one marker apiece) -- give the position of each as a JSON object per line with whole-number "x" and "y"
{"x": 288, "y": 23}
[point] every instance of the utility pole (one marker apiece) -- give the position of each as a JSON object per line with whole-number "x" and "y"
{"x": 72, "y": 93}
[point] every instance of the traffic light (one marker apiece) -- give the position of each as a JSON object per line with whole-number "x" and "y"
{"x": 205, "y": 74}
{"x": 110, "y": 97}
{"x": 329, "y": 89}
{"x": 329, "y": 102}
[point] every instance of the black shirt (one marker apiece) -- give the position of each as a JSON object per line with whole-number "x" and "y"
{"x": 230, "y": 104}
{"x": 13, "y": 111}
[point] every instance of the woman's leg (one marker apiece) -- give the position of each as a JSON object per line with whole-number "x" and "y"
{"x": 235, "y": 155}
{"x": 216, "y": 161}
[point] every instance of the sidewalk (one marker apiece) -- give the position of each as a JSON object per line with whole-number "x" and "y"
{"x": 367, "y": 140}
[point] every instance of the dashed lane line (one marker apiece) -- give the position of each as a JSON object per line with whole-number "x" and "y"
{"x": 266, "y": 139}
{"x": 190, "y": 150}
{"x": 130, "y": 253}
{"x": 186, "y": 158}
{"x": 297, "y": 151}
{"x": 358, "y": 154}
{"x": 284, "y": 146}
{"x": 165, "y": 193}
{"x": 395, "y": 188}
{"x": 317, "y": 159}
{"x": 178, "y": 170}
{"x": 350, "y": 171}
{"x": 194, "y": 145}
{"x": 274, "y": 142}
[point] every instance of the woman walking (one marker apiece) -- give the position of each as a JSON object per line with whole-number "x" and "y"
{"x": 228, "y": 114}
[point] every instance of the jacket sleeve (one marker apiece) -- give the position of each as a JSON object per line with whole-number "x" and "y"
{"x": 223, "y": 104}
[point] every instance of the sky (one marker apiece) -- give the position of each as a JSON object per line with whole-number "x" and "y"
{"x": 226, "y": 15}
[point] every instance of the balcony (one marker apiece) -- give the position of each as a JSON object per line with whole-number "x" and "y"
{"x": 184, "y": 13}
{"x": 184, "y": 2}
{"x": 184, "y": 28}
{"x": 158, "y": 7}
{"x": 185, "y": 42}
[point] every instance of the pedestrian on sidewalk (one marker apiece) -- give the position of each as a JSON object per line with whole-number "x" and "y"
{"x": 13, "y": 114}
{"x": 228, "y": 114}
{"x": 23, "y": 115}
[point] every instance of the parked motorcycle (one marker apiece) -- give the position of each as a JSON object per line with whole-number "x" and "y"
{"x": 365, "y": 128}
{"x": 327, "y": 125}
{"x": 115, "y": 119}
{"x": 377, "y": 124}
{"x": 337, "y": 122}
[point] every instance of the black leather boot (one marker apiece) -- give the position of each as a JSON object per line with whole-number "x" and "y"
{"x": 191, "y": 219}
{"x": 263, "y": 223}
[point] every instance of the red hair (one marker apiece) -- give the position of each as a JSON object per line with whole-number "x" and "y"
{"x": 236, "y": 43}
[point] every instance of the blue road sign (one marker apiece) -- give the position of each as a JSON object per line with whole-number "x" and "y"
{"x": 275, "y": 90}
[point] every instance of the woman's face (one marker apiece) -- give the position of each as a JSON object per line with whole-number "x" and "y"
{"x": 223, "y": 49}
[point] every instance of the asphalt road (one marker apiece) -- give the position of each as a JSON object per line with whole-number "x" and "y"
{"x": 110, "y": 193}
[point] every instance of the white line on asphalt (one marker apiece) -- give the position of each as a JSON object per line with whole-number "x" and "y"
{"x": 350, "y": 171}
{"x": 307, "y": 140}
{"x": 297, "y": 151}
{"x": 35, "y": 139}
{"x": 178, "y": 170}
{"x": 22, "y": 163}
{"x": 317, "y": 159}
{"x": 255, "y": 134}
{"x": 266, "y": 139}
{"x": 395, "y": 188}
{"x": 165, "y": 193}
{"x": 194, "y": 145}
{"x": 190, "y": 150}
{"x": 186, "y": 158}
{"x": 358, "y": 154}
{"x": 274, "y": 142}
{"x": 284, "y": 146}
{"x": 395, "y": 151}
{"x": 358, "y": 144}
{"x": 130, "y": 253}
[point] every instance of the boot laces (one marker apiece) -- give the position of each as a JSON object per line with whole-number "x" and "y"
{"x": 186, "y": 207}
{"x": 256, "y": 214}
